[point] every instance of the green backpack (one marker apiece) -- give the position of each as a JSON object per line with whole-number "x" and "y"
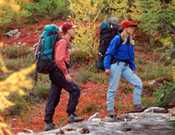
{"x": 45, "y": 51}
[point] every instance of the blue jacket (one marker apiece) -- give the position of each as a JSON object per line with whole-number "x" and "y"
{"x": 124, "y": 52}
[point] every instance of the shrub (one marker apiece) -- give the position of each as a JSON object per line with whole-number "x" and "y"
{"x": 152, "y": 71}
{"x": 41, "y": 91}
{"x": 50, "y": 9}
{"x": 10, "y": 12}
{"x": 17, "y": 57}
{"x": 3, "y": 68}
{"x": 85, "y": 42}
{"x": 90, "y": 74}
{"x": 157, "y": 19}
{"x": 89, "y": 108}
{"x": 148, "y": 101}
{"x": 15, "y": 51}
{"x": 19, "y": 63}
{"x": 20, "y": 105}
{"x": 42, "y": 87}
{"x": 165, "y": 94}
{"x": 23, "y": 103}
{"x": 19, "y": 12}
{"x": 79, "y": 56}
{"x": 18, "y": 82}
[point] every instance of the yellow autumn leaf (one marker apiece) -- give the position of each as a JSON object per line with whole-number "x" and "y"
{"x": 4, "y": 129}
{"x": 12, "y": 3}
{"x": 16, "y": 82}
{"x": 2, "y": 66}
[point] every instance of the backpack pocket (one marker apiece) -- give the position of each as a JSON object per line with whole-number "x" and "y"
{"x": 100, "y": 62}
{"x": 44, "y": 65}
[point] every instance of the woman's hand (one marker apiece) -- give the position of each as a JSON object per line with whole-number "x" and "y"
{"x": 107, "y": 71}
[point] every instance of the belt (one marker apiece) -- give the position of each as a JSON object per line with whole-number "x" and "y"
{"x": 119, "y": 61}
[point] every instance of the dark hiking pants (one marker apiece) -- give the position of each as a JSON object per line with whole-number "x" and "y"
{"x": 58, "y": 82}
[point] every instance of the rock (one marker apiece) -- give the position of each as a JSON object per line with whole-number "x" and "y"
{"x": 172, "y": 113}
{"x": 156, "y": 110}
{"x": 84, "y": 131}
{"x": 152, "y": 82}
{"x": 13, "y": 33}
{"x": 145, "y": 123}
{"x": 61, "y": 132}
{"x": 93, "y": 116}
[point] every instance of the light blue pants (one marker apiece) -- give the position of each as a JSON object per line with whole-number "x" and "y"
{"x": 119, "y": 70}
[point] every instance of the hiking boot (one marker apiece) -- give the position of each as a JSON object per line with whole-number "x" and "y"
{"x": 138, "y": 108}
{"x": 111, "y": 117}
{"x": 74, "y": 118}
{"x": 49, "y": 126}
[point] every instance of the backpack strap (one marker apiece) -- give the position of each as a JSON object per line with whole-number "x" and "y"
{"x": 54, "y": 47}
{"x": 117, "y": 46}
{"x": 37, "y": 51}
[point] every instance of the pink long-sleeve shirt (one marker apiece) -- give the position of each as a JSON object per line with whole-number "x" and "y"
{"x": 62, "y": 54}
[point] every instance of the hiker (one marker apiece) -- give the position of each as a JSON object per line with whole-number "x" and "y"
{"x": 121, "y": 53}
{"x": 61, "y": 79}
{"x": 108, "y": 29}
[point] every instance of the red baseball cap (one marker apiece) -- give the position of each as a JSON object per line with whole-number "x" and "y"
{"x": 67, "y": 26}
{"x": 128, "y": 23}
